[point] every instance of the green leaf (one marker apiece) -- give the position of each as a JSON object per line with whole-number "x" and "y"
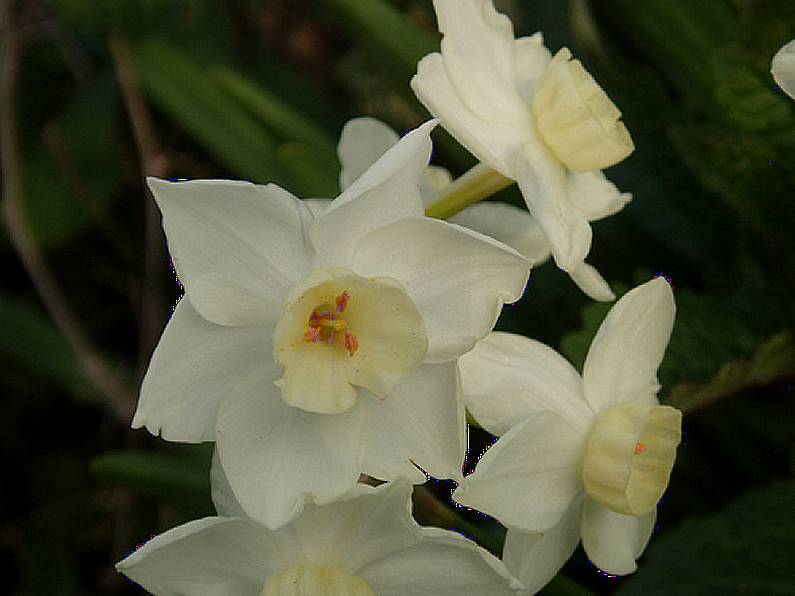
{"x": 748, "y": 548}
{"x": 30, "y": 340}
{"x": 773, "y": 361}
{"x": 181, "y": 88}
{"x": 277, "y": 115}
{"x": 180, "y": 475}
{"x": 316, "y": 170}
{"x": 58, "y": 205}
{"x": 389, "y": 34}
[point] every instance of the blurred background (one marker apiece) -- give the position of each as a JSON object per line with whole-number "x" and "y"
{"x": 96, "y": 94}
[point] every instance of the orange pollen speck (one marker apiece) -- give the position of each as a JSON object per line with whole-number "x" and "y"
{"x": 639, "y": 448}
{"x": 350, "y": 342}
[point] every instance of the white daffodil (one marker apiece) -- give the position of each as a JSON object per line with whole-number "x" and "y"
{"x": 783, "y": 68}
{"x": 364, "y": 545}
{"x": 541, "y": 121}
{"x": 579, "y": 457}
{"x": 316, "y": 349}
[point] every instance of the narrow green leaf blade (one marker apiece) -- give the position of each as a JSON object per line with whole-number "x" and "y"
{"x": 180, "y": 87}
{"x": 278, "y": 116}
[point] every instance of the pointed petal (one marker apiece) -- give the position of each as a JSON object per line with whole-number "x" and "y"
{"x": 224, "y": 500}
{"x": 594, "y": 195}
{"x": 542, "y": 180}
{"x": 388, "y": 191}
{"x": 508, "y": 378}
{"x": 237, "y": 247}
{"x": 613, "y": 541}
{"x": 362, "y": 142}
{"x": 534, "y": 558}
{"x": 213, "y": 556}
{"x": 193, "y": 368}
{"x": 274, "y": 454}
{"x": 478, "y": 52}
{"x": 458, "y": 279}
{"x": 443, "y": 564}
{"x": 420, "y": 421}
{"x": 364, "y": 526}
{"x": 493, "y": 142}
{"x": 624, "y": 356}
{"x": 530, "y": 476}
{"x": 532, "y": 58}
{"x": 508, "y": 224}
{"x": 591, "y": 282}
{"x": 783, "y": 68}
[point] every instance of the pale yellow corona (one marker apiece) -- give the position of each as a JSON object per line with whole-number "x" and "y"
{"x": 576, "y": 118}
{"x": 629, "y": 455}
{"x": 341, "y": 331}
{"x": 315, "y": 580}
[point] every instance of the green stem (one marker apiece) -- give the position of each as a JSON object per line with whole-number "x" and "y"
{"x": 476, "y": 184}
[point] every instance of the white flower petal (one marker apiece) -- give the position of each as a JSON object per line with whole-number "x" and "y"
{"x": 421, "y": 421}
{"x": 783, "y": 68}
{"x": 531, "y": 60}
{"x": 591, "y": 282}
{"x": 594, "y": 195}
{"x": 362, "y": 142}
{"x": 237, "y": 247}
{"x": 508, "y": 378}
{"x": 530, "y": 476}
{"x": 317, "y": 206}
{"x": 493, "y": 142}
{"x": 434, "y": 180}
{"x": 614, "y": 541}
{"x": 508, "y": 224}
{"x": 443, "y": 564}
{"x": 478, "y": 52}
{"x": 629, "y": 346}
{"x": 364, "y": 526}
{"x": 388, "y": 191}
{"x": 458, "y": 278}
{"x": 275, "y": 455}
{"x": 542, "y": 180}
{"x": 194, "y": 367}
{"x": 534, "y": 558}
{"x": 224, "y": 500}
{"x": 213, "y": 556}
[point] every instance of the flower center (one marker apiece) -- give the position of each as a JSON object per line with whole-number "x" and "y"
{"x": 629, "y": 455}
{"x": 325, "y": 324}
{"x": 315, "y": 580}
{"x": 576, "y": 118}
{"x": 341, "y": 331}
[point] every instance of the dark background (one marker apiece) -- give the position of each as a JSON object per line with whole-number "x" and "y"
{"x": 96, "y": 94}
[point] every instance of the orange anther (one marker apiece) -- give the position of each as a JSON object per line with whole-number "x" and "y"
{"x": 350, "y": 342}
{"x": 312, "y": 334}
{"x": 639, "y": 448}
{"x": 342, "y": 301}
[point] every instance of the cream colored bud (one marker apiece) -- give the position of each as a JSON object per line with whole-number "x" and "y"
{"x": 576, "y": 119}
{"x": 315, "y": 580}
{"x": 630, "y": 454}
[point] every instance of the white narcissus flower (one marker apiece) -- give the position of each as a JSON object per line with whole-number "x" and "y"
{"x": 364, "y": 545}
{"x": 541, "y": 121}
{"x": 578, "y": 457}
{"x": 316, "y": 349}
{"x": 783, "y": 68}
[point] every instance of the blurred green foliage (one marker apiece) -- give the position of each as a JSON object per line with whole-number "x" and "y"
{"x": 259, "y": 90}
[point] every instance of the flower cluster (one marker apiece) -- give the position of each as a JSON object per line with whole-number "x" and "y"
{"x": 321, "y": 342}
